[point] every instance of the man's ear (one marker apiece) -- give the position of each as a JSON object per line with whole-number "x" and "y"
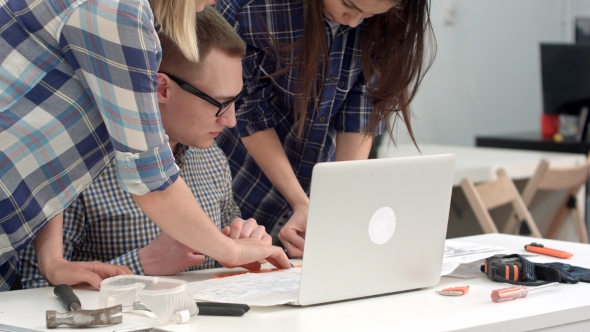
{"x": 163, "y": 88}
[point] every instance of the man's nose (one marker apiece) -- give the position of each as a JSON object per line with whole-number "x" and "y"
{"x": 228, "y": 119}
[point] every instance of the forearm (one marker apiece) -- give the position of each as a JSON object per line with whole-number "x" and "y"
{"x": 49, "y": 243}
{"x": 353, "y": 146}
{"x": 177, "y": 212}
{"x": 266, "y": 149}
{"x": 56, "y": 270}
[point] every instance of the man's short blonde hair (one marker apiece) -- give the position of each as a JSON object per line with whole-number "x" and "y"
{"x": 212, "y": 31}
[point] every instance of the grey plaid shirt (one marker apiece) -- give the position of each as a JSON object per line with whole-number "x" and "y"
{"x": 105, "y": 224}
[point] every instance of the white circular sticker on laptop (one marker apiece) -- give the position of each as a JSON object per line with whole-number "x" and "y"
{"x": 382, "y": 225}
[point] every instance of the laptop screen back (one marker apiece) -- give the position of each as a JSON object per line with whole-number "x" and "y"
{"x": 375, "y": 226}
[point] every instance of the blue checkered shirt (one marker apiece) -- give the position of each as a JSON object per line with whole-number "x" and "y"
{"x": 343, "y": 105}
{"x": 105, "y": 224}
{"x": 77, "y": 83}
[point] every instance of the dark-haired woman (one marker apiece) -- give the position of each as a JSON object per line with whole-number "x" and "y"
{"x": 323, "y": 76}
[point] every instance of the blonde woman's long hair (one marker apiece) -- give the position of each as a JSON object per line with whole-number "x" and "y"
{"x": 177, "y": 20}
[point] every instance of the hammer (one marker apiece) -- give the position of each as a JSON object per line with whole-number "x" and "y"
{"x": 77, "y": 316}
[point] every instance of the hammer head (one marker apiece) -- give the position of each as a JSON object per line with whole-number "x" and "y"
{"x": 82, "y": 318}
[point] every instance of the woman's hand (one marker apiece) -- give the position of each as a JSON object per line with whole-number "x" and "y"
{"x": 292, "y": 235}
{"x": 246, "y": 229}
{"x": 248, "y": 253}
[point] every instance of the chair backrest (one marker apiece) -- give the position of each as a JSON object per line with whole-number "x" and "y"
{"x": 570, "y": 179}
{"x": 546, "y": 178}
{"x": 490, "y": 195}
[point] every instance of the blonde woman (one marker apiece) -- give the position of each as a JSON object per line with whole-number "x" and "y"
{"x": 77, "y": 91}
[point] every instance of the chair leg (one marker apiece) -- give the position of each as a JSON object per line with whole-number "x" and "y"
{"x": 581, "y": 226}
{"x": 522, "y": 212}
{"x": 511, "y": 225}
{"x": 535, "y": 232}
{"x": 557, "y": 222}
{"x": 478, "y": 207}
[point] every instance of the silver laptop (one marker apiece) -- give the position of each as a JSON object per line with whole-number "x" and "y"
{"x": 375, "y": 227}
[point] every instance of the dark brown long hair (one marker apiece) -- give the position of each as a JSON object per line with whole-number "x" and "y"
{"x": 395, "y": 43}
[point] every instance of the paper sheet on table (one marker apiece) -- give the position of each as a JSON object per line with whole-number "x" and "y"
{"x": 467, "y": 270}
{"x": 254, "y": 289}
{"x": 464, "y": 250}
{"x": 462, "y": 259}
{"x": 280, "y": 287}
{"x": 448, "y": 267}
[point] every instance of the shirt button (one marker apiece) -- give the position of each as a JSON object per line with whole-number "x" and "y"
{"x": 312, "y": 153}
{"x": 322, "y": 119}
{"x": 332, "y": 79}
{"x": 340, "y": 83}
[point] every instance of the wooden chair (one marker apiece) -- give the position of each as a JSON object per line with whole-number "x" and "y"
{"x": 570, "y": 179}
{"x": 490, "y": 195}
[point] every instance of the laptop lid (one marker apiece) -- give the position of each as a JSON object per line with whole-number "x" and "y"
{"x": 375, "y": 226}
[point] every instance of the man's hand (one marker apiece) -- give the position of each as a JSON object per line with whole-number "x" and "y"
{"x": 246, "y": 229}
{"x": 60, "y": 271}
{"x": 292, "y": 235}
{"x": 57, "y": 270}
{"x": 166, "y": 256}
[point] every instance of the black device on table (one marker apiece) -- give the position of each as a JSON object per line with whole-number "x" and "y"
{"x": 222, "y": 309}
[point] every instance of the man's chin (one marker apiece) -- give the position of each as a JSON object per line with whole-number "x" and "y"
{"x": 203, "y": 145}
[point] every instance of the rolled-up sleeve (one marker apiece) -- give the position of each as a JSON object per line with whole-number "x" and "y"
{"x": 140, "y": 173}
{"x": 115, "y": 52}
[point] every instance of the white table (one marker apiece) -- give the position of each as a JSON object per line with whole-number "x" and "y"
{"x": 566, "y": 306}
{"x": 480, "y": 164}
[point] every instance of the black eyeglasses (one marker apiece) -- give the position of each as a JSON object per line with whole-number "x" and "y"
{"x": 223, "y": 107}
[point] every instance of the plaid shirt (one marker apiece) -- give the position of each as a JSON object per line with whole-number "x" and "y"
{"x": 343, "y": 105}
{"x": 105, "y": 224}
{"x": 77, "y": 83}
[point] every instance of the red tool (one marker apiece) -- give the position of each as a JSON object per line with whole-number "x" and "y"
{"x": 540, "y": 249}
{"x": 517, "y": 292}
{"x": 454, "y": 291}
{"x": 229, "y": 274}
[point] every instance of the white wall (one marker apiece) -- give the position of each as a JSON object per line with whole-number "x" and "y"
{"x": 581, "y": 8}
{"x": 486, "y": 76}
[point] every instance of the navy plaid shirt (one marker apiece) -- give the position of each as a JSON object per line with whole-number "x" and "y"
{"x": 343, "y": 106}
{"x": 77, "y": 89}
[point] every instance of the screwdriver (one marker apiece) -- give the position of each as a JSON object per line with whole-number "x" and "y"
{"x": 517, "y": 292}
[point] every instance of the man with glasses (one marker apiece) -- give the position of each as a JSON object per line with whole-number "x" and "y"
{"x": 196, "y": 104}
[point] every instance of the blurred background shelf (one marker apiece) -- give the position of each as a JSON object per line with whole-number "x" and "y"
{"x": 532, "y": 140}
